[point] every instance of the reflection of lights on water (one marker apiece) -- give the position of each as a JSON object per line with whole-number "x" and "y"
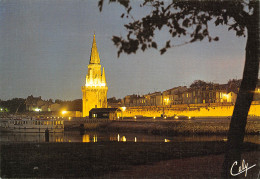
{"x": 118, "y": 137}
{"x": 95, "y": 138}
{"x": 58, "y": 139}
{"x": 166, "y": 140}
{"x": 135, "y": 139}
{"x": 85, "y": 138}
{"x": 123, "y": 139}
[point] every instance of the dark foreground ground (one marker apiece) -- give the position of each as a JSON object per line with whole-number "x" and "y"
{"x": 120, "y": 160}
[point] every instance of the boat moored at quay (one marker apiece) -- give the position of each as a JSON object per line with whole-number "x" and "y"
{"x": 31, "y": 125}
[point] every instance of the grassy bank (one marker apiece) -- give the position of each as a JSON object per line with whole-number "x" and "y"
{"x": 95, "y": 159}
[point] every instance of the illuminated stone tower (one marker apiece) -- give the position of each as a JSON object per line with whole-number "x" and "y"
{"x": 95, "y": 90}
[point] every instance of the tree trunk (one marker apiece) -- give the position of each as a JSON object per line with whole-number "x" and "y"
{"x": 238, "y": 122}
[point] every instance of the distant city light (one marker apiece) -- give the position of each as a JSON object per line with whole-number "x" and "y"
{"x": 123, "y": 108}
{"x": 1, "y": 109}
{"x": 64, "y": 112}
{"x": 37, "y": 109}
{"x": 166, "y": 140}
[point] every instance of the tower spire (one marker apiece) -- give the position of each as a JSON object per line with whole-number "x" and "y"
{"x": 94, "y": 58}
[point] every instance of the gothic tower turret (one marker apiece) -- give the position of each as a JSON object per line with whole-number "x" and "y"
{"x": 95, "y": 90}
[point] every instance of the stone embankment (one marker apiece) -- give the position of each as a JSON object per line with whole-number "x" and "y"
{"x": 173, "y": 127}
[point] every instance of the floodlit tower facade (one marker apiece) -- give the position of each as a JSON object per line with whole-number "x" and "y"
{"x": 95, "y": 90}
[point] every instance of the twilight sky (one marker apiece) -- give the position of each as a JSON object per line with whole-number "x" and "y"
{"x": 46, "y": 44}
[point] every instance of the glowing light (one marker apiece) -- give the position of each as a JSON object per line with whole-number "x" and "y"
{"x": 166, "y": 140}
{"x": 118, "y": 137}
{"x": 164, "y": 117}
{"x": 69, "y": 118}
{"x": 123, "y": 108}
{"x": 189, "y": 117}
{"x": 135, "y": 139}
{"x": 154, "y": 117}
{"x": 37, "y": 109}
{"x": 135, "y": 117}
{"x": 85, "y": 138}
{"x": 176, "y": 117}
{"x": 225, "y": 95}
{"x": 123, "y": 139}
{"x": 1, "y": 109}
{"x": 64, "y": 112}
{"x": 95, "y": 138}
{"x": 166, "y": 100}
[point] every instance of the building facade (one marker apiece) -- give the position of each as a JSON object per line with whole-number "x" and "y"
{"x": 94, "y": 93}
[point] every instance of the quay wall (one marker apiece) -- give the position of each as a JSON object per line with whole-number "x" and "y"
{"x": 165, "y": 127}
{"x": 202, "y": 110}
